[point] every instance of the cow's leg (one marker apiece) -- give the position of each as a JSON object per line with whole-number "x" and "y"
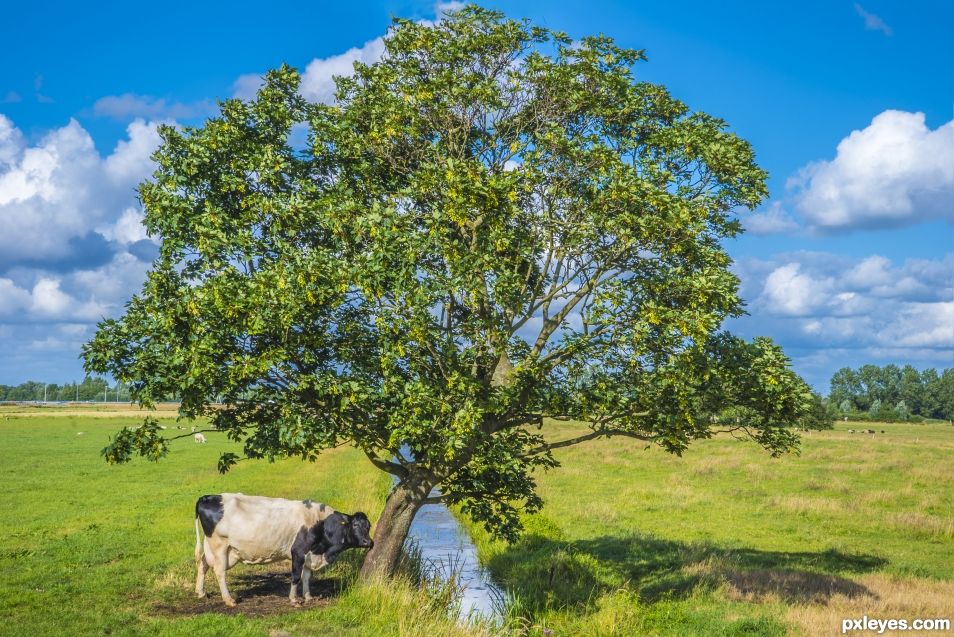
{"x": 220, "y": 564}
{"x": 306, "y": 583}
{"x": 312, "y": 563}
{"x": 201, "y": 567}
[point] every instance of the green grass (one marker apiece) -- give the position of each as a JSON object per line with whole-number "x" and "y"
{"x": 729, "y": 541}
{"x": 724, "y": 541}
{"x": 89, "y": 549}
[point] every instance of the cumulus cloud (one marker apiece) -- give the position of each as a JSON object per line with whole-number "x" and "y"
{"x": 774, "y": 220}
{"x": 129, "y": 105}
{"x": 13, "y": 299}
{"x": 872, "y": 22}
{"x": 317, "y": 82}
{"x": 128, "y": 228}
{"x": 78, "y": 297}
{"x": 830, "y": 311}
{"x": 55, "y": 192}
{"x": 245, "y": 86}
{"x": 817, "y": 300}
{"x": 894, "y": 172}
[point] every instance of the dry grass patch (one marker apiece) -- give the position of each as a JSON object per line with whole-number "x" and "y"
{"x": 923, "y": 524}
{"x": 128, "y": 411}
{"x": 800, "y": 504}
{"x": 886, "y": 597}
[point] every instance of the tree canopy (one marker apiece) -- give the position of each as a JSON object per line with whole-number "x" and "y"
{"x": 492, "y": 224}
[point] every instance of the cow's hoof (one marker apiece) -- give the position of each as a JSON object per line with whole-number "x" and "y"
{"x": 308, "y": 598}
{"x": 200, "y": 595}
{"x": 230, "y": 603}
{"x": 295, "y": 602}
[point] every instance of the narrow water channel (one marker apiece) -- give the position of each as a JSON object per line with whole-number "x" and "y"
{"x": 445, "y": 544}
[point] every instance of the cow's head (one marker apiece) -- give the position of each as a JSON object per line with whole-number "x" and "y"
{"x": 348, "y": 531}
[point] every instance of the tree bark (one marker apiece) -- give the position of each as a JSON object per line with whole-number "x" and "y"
{"x": 401, "y": 506}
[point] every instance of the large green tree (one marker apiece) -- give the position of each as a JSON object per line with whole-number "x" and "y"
{"x": 490, "y": 225}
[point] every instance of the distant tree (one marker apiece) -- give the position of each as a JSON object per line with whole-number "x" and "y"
{"x": 946, "y": 394}
{"x": 92, "y": 388}
{"x": 817, "y": 416}
{"x": 912, "y": 389}
{"x": 872, "y": 387}
{"x": 30, "y": 390}
{"x": 845, "y": 386}
{"x": 492, "y": 224}
{"x": 932, "y": 405}
{"x": 891, "y": 377}
{"x": 845, "y": 406}
{"x": 902, "y": 411}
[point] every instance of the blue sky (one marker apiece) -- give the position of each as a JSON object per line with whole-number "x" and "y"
{"x": 848, "y": 106}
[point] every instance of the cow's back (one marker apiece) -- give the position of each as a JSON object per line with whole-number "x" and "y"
{"x": 263, "y": 529}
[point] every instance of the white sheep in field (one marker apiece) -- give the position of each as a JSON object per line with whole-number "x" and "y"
{"x": 199, "y": 438}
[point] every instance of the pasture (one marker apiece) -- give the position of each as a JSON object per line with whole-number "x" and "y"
{"x": 729, "y": 541}
{"x": 89, "y": 549}
{"x": 723, "y": 541}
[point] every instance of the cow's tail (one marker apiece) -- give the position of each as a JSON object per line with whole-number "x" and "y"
{"x": 198, "y": 540}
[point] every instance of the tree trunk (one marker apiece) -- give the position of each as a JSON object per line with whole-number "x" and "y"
{"x": 399, "y": 510}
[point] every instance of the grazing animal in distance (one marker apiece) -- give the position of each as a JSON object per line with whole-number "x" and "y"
{"x": 259, "y": 530}
{"x": 199, "y": 438}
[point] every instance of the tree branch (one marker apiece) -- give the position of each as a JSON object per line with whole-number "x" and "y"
{"x": 386, "y": 465}
{"x": 593, "y": 435}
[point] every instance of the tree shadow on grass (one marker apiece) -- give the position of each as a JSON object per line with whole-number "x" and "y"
{"x": 545, "y": 573}
{"x": 259, "y": 593}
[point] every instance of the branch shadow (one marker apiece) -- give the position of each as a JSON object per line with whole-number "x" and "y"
{"x": 546, "y": 573}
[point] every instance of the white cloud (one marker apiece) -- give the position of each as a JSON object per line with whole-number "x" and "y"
{"x": 11, "y": 141}
{"x": 130, "y": 162}
{"x": 317, "y": 82}
{"x": 48, "y": 299}
{"x": 872, "y": 22}
{"x": 788, "y": 291}
{"x": 61, "y": 188}
{"x": 816, "y": 300}
{"x": 774, "y": 220}
{"x": 13, "y": 299}
{"x": 245, "y": 86}
{"x": 921, "y": 325}
{"x": 128, "y": 228}
{"x": 129, "y": 105}
{"x": 894, "y": 172}
{"x": 76, "y": 298}
{"x": 829, "y": 311}
{"x": 110, "y": 285}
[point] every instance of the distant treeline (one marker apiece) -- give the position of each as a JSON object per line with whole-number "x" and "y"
{"x": 92, "y": 388}
{"x": 892, "y": 392}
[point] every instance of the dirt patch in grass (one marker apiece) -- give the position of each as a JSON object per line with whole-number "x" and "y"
{"x": 258, "y": 594}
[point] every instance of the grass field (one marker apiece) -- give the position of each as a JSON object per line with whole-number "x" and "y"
{"x": 724, "y": 541}
{"x": 729, "y": 541}
{"x": 89, "y": 549}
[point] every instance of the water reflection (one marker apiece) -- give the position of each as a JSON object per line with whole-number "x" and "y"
{"x": 444, "y": 543}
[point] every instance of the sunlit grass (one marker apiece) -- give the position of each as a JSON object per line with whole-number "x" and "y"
{"x": 89, "y": 549}
{"x": 727, "y": 540}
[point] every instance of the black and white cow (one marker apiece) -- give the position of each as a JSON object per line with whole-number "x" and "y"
{"x": 258, "y": 530}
